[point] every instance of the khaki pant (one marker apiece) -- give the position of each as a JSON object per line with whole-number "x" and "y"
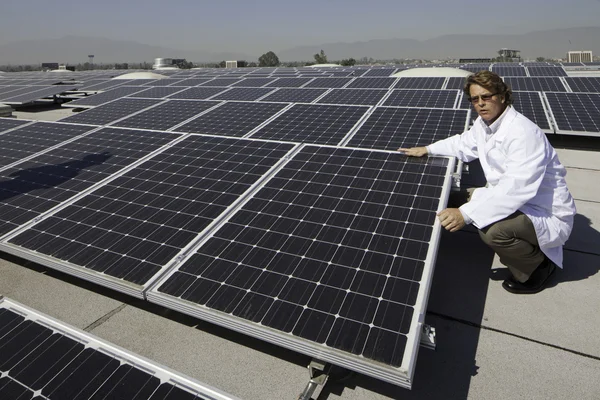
{"x": 514, "y": 240}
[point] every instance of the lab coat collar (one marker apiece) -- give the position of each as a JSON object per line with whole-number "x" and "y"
{"x": 493, "y": 128}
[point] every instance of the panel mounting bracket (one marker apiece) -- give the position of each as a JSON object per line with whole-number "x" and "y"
{"x": 318, "y": 372}
{"x": 428, "y": 337}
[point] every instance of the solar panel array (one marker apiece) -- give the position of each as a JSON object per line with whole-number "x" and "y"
{"x": 270, "y": 201}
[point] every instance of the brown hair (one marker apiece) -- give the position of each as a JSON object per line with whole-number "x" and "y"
{"x": 490, "y": 81}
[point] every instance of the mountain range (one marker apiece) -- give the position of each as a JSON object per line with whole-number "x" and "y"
{"x": 75, "y": 49}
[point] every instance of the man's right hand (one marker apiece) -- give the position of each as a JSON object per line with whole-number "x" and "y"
{"x": 414, "y": 151}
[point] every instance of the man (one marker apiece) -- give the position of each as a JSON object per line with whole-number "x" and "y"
{"x": 525, "y": 213}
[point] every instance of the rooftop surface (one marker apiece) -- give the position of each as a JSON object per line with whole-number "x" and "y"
{"x": 490, "y": 343}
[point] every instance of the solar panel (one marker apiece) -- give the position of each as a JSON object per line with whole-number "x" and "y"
{"x": 535, "y": 84}
{"x": 30, "y": 139}
{"x": 103, "y": 84}
{"x": 164, "y": 82}
{"x": 254, "y": 82}
{"x": 193, "y": 81}
{"x": 233, "y": 118}
{"x": 456, "y": 83}
{"x": 389, "y": 128}
{"x": 110, "y": 112}
{"x": 584, "y": 84}
{"x": 166, "y": 115}
{"x": 328, "y": 82}
{"x": 198, "y": 93}
{"x": 131, "y": 227}
{"x": 243, "y": 93}
{"x": 505, "y": 71}
{"x": 330, "y": 258}
{"x": 422, "y": 98}
{"x": 546, "y": 71}
{"x": 475, "y": 67}
{"x": 530, "y": 105}
{"x": 34, "y": 93}
{"x": 369, "y": 97}
{"x": 159, "y": 92}
{"x": 35, "y": 186}
{"x": 374, "y": 83}
{"x": 10, "y": 123}
{"x": 311, "y": 123}
{"x": 43, "y": 358}
{"x": 379, "y": 72}
{"x": 294, "y": 95}
{"x": 420, "y": 83}
{"x": 576, "y": 112}
{"x": 140, "y": 82}
{"x": 221, "y": 82}
{"x": 105, "y": 97}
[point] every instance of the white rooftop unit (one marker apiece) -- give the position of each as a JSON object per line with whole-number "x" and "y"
{"x": 231, "y": 64}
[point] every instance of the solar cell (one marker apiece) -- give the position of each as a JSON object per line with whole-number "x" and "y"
{"x": 311, "y": 123}
{"x": 103, "y": 84}
{"x": 10, "y": 123}
{"x": 584, "y": 84}
{"x": 456, "y": 83}
{"x": 35, "y": 186}
{"x": 420, "y": 83}
{"x": 535, "y": 84}
{"x": 328, "y": 258}
{"x": 576, "y": 112}
{"x": 254, "y": 82}
{"x": 328, "y": 82}
{"x": 221, "y": 82}
{"x": 233, "y": 118}
{"x": 374, "y": 83}
{"x": 33, "y": 93}
{"x": 389, "y": 128}
{"x": 131, "y": 227}
{"x": 28, "y": 140}
{"x": 159, "y": 92}
{"x": 546, "y": 71}
{"x": 105, "y": 97}
{"x": 504, "y": 71}
{"x": 197, "y": 93}
{"x": 294, "y": 95}
{"x": 369, "y": 97}
{"x": 166, "y": 115}
{"x": 43, "y": 358}
{"x": 243, "y": 93}
{"x": 530, "y": 105}
{"x": 379, "y": 72}
{"x": 193, "y": 81}
{"x": 164, "y": 82}
{"x": 475, "y": 67}
{"x": 422, "y": 98}
{"x": 110, "y": 112}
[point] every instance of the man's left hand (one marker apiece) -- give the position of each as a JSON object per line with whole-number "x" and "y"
{"x": 451, "y": 219}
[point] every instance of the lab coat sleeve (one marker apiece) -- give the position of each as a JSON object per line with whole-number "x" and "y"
{"x": 525, "y": 165}
{"x": 463, "y": 146}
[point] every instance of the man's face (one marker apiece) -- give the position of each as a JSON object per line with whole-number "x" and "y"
{"x": 489, "y": 108}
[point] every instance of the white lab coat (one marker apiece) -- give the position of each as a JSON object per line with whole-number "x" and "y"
{"x": 523, "y": 173}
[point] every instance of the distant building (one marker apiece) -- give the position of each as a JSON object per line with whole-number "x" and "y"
{"x": 231, "y": 64}
{"x": 509, "y": 55}
{"x": 579, "y": 56}
{"x": 49, "y": 65}
{"x": 474, "y": 60}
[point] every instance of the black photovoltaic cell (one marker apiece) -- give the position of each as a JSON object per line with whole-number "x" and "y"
{"x": 373, "y": 83}
{"x": 546, "y": 71}
{"x": 243, "y": 93}
{"x": 331, "y": 250}
{"x": 530, "y": 105}
{"x": 34, "y": 94}
{"x": 392, "y": 128}
{"x": 28, "y": 140}
{"x": 584, "y": 84}
{"x": 9, "y": 123}
{"x": 576, "y": 111}
{"x": 193, "y": 81}
{"x": 289, "y": 82}
{"x": 380, "y": 72}
{"x": 134, "y": 225}
{"x": 159, "y": 92}
{"x": 328, "y": 82}
{"x": 198, "y": 93}
{"x": 110, "y": 112}
{"x": 509, "y": 70}
{"x": 103, "y": 84}
{"x": 311, "y": 123}
{"x": 233, "y": 118}
{"x": 36, "y": 360}
{"x": 105, "y": 97}
{"x": 254, "y": 82}
{"x": 422, "y": 98}
{"x": 164, "y": 82}
{"x": 166, "y": 115}
{"x": 35, "y": 186}
{"x": 536, "y": 84}
{"x": 368, "y": 97}
{"x": 221, "y": 82}
{"x": 294, "y": 95}
{"x": 456, "y": 83}
{"x": 420, "y": 83}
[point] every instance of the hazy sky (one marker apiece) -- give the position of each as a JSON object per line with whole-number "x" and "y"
{"x": 251, "y": 26}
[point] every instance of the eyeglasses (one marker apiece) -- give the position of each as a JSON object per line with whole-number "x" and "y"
{"x": 484, "y": 97}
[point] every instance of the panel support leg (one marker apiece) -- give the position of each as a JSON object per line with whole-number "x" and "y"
{"x": 318, "y": 372}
